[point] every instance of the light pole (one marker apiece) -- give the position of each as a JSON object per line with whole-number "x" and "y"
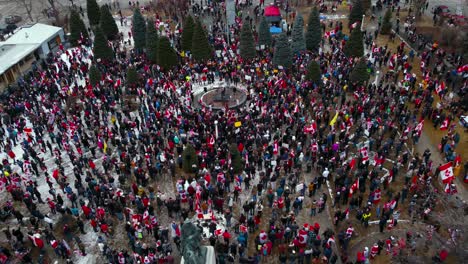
{"x": 376, "y": 82}
{"x": 362, "y": 22}
{"x": 216, "y": 128}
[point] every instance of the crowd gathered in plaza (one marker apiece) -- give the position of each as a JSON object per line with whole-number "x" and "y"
{"x": 110, "y": 156}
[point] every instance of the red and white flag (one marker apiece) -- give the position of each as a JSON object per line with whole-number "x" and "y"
{"x": 377, "y": 196}
{"x": 419, "y": 127}
{"x": 310, "y": 128}
{"x": 211, "y": 141}
{"x": 314, "y": 147}
{"x": 275, "y": 147}
{"x": 352, "y": 164}
{"x": 440, "y": 88}
{"x": 243, "y": 228}
{"x": 303, "y": 236}
{"x": 218, "y": 232}
{"x": 354, "y": 188}
{"x": 446, "y": 172}
{"x": 365, "y": 154}
{"x": 445, "y": 124}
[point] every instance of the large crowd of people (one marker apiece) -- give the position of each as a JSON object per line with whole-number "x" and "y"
{"x": 109, "y": 157}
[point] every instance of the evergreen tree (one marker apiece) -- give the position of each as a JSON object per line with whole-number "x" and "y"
{"x": 247, "y": 42}
{"x": 201, "y": 49}
{"x": 282, "y": 55}
{"x": 101, "y": 49}
{"x": 93, "y": 12}
{"x": 387, "y": 23}
{"x": 187, "y": 33}
{"x": 152, "y": 41}
{"x": 108, "y": 25}
{"x": 360, "y": 75}
{"x": 356, "y": 13}
{"x": 237, "y": 162}
{"x": 354, "y": 47}
{"x": 77, "y": 27}
{"x": 167, "y": 57}
{"x": 314, "y": 31}
{"x": 94, "y": 75}
{"x": 139, "y": 30}
{"x": 264, "y": 34}
{"x": 314, "y": 73}
{"x": 132, "y": 77}
{"x": 298, "y": 41}
{"x": 189, "y": 159}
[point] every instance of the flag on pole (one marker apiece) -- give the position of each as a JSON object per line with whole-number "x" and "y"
{"x": 333, "y": 121}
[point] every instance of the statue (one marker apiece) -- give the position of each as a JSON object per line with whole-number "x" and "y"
{"x": 192, "y": 250}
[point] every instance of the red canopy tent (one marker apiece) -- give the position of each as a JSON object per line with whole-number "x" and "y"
{"x": 272, "y": 11}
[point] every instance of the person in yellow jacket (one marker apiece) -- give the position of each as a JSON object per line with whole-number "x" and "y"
{"x": 365, "y": 218}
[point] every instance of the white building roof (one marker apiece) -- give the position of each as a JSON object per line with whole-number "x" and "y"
{"x": 32, "y": 34}
{"x": 26, "y": 40}
{"x": 11, "y": 54}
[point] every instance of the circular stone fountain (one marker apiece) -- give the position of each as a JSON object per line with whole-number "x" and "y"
{"x": 221, "y": 97}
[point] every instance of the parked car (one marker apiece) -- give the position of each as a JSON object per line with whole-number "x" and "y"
{"x": 12, "y": 19}
{"x": 6, "y": 29}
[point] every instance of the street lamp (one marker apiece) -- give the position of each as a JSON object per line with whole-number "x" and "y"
{"x": 362, "y": 22}
{"x": 216, "y": 128}
{"x": 376, "y": 82}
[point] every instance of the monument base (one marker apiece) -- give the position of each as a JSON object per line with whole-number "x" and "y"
{"x": 210, "y": 256}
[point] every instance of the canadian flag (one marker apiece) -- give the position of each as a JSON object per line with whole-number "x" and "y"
{"x": 310, "y": 128}
{"x": 243, "y": 228}
{"x": 218, "y": 232}
{"x": 200, "y": 214}
{"x": 314, "y": 147}
{"x": 375, "y": 50}
{"x": 445, "y": 124}
{"x": 54, "y": 244}
{"x": 354, "y": 187}
{"x": 302, "y": 237}
{"x": 330, "y": 241}
{"x": 419, "y": 127}
{"x": 211, "y": 141}
{"x": 440, "y": 88}
{"x": 117, "y": 83}
{"x": 263, "y": 237}
{"x": 446, "y": 172}
{"x": 377, "y": 196}
{"x": 365, "y": 154}
{"x": 37, "y": 241}
{"x": 275, "y": 147}
{"x": 352, "y": 164}
{"x": 145, "y": 215}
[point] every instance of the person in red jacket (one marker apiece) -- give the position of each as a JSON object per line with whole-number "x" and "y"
{"x": 105, "y": 229}
{"x": 94, "y": 225}
{"x": 226, "y": 237}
